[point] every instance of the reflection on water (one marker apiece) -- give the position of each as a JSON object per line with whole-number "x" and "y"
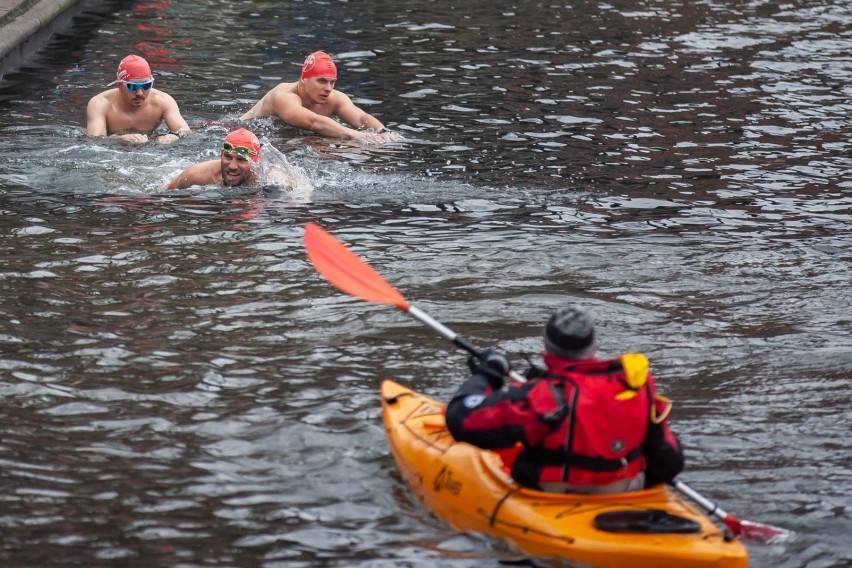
{"x": 180, "y": 388}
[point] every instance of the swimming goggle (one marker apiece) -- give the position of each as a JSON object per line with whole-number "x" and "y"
{"x": 133, "y": 87}
{"x": 243, "y": 152}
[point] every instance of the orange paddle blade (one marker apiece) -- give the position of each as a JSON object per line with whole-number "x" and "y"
{"x": 343, "y": 269}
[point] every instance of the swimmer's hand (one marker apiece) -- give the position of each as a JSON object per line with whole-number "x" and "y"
{"x": 390, "y": 136}
{"x": 173, "y": 135}
{"x": 369, "y": 137}
{"x": 134, "y": 138}
{"x": 377, "y": 136}
{"x": 167, "y": 138}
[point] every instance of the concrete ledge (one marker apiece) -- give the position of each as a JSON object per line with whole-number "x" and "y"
{"x": 11, "y": 9}
{"x": 26, "y": 26}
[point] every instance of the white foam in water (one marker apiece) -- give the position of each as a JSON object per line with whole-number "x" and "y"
{"x": 277, "y": 171}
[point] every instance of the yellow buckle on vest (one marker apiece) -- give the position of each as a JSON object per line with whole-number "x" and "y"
{"x": 635, "y": 366}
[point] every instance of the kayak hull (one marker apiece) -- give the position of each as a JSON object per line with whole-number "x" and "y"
{"x": 469, "y": 489}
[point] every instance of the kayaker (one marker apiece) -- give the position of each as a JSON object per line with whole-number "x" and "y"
{"x": 237, "y": 164}
{"x": 312, "y": 101}
{"x": 134, "y": 109}
{"x": 584, "y": 425}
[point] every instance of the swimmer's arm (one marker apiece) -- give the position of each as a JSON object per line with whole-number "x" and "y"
{"x": 182, "y": 181}
{"x": 354, "y": 116}
{"x": 198, "y": 174}
{"x": 303, "y": 118}
{"x": 288, "y": 107}
{"x": 178, "y": 128}
{"x": 358, "y": 118}
{"x": 254, "y": 112}
{"x": 96, "y": 117}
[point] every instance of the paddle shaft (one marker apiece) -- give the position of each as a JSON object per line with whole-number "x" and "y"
{"x": 457, "y": 340}
{"x": 711, "y": 507}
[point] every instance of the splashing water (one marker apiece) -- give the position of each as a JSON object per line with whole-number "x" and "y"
{"x": 277, "y": 172}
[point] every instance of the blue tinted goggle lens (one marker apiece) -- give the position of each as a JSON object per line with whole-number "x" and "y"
{"x": 133, "y": 87}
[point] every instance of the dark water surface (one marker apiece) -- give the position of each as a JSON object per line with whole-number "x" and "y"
{"x": 178, "y": 387}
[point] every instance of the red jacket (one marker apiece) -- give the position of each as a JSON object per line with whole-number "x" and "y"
{"x": 581, "y": 422}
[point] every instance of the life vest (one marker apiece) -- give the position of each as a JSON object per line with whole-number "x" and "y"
{"x": 603, "y": 410}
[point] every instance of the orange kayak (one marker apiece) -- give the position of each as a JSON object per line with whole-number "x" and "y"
{"x": 469, "y": 489}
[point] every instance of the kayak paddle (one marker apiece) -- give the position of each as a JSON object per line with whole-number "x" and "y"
{"x": 351, "y": 275}
{"x": 746, "y": 529}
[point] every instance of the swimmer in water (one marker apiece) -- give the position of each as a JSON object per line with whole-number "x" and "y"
{"x": 312, "y": 101}
{"x": 134, "y": 109}
{"x": 236, "y": 165}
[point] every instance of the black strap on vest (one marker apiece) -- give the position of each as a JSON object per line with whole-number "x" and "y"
{"x": 557, "y": 458}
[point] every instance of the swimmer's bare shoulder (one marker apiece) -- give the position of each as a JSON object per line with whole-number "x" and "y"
{"x": 274, "y": 102}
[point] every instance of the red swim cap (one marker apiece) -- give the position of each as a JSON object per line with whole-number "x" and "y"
{"x": 319, "y": 64}
{"x": 242, "y": 138}
{"x": 133, "y": 68}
